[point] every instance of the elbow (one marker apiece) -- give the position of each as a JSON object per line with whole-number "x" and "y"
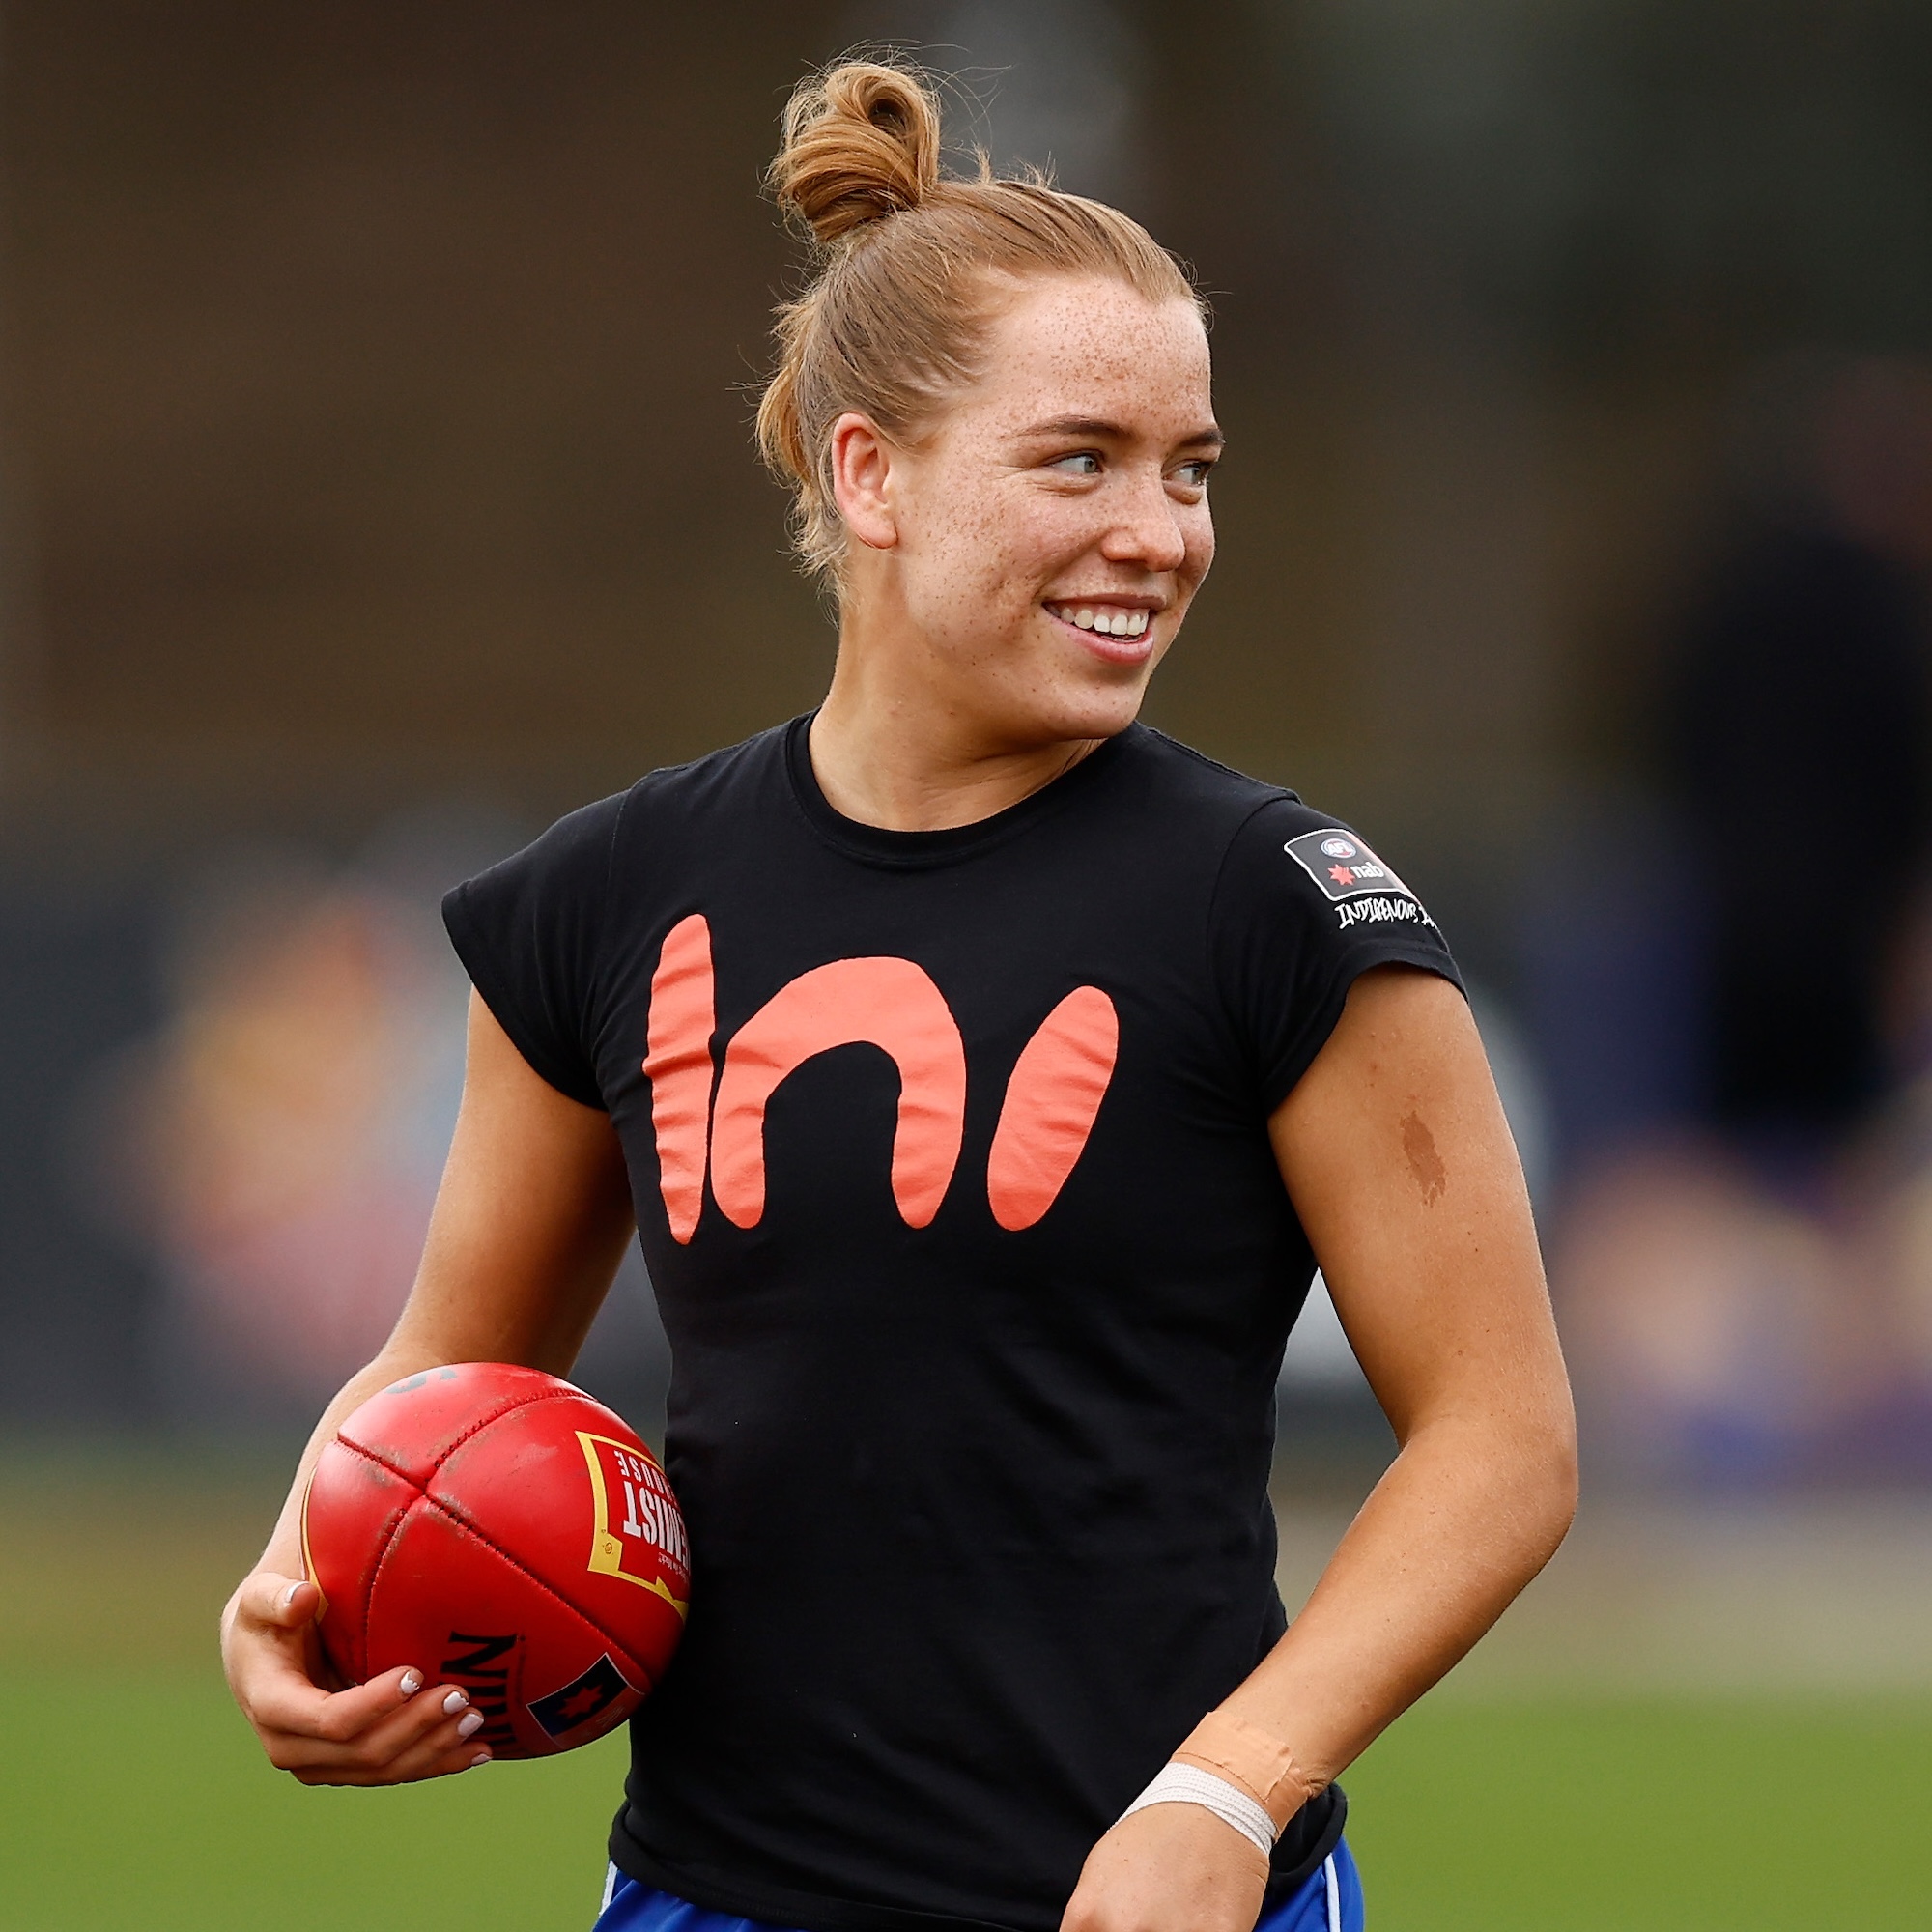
{"x": 1565, "y": 1493}
{"x": 1551, "y": 1475}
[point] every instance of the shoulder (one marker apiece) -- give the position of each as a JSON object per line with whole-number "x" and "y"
{"x": 579, "y": 848}
{"x": 1260, "y": 844}
{"x": 1192, "y": 779}
{"x": 571, "y": 856}
{"x": 1276, "y": 853}
{"x": 736, "y": 774}
{"x": 1242, "y": 813}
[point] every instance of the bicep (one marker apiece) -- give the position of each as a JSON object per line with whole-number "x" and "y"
{"x": 1400, "y": 1165}
{"x": 531, "y": 1221}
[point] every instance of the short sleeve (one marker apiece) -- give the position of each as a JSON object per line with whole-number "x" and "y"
{"x": 1303, "y": 906}
{"x": 527, "y": 932}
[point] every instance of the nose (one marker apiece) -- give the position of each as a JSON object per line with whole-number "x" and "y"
{"x": 1146, "y": 531}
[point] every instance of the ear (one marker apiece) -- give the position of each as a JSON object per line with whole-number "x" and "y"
{"x": 862, "y": 475}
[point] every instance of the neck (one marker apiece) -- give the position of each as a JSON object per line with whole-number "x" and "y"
{"x": 904, "y": 753}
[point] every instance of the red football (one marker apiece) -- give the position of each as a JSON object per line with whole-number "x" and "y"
{"x": 498, "y": 1530}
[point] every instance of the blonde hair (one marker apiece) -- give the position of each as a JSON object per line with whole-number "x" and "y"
{"x": 909, "y": 266}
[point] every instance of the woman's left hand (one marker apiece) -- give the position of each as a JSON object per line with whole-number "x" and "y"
{"x": 1169, "y": 1869}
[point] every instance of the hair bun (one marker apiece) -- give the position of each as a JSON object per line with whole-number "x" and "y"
{"x": 861, "y": 142}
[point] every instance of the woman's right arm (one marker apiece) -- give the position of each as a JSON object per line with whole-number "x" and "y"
{"x": 531, "y": 1220}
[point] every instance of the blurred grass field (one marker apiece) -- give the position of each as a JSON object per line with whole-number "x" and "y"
{"x": 139, "y": 1800}
{"x": 132, "y": 1794}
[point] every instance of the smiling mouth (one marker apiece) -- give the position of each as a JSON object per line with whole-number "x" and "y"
{"x": 1109, "y": 620}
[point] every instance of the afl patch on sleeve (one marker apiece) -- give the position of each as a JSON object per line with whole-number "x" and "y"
{"x": 1288, "y": 955}
{"x": 1359, "y": 886}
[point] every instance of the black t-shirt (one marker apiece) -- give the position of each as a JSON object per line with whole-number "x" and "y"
{"x": 951, "y": 1165}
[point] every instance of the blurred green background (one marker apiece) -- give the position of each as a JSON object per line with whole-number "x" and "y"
{"x": 1611, "y": 1766}
{"x": 376, "y": 483}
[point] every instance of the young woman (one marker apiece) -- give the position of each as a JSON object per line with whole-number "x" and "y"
{"x": 985, "y": 1075}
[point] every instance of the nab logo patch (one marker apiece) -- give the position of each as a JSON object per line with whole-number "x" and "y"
{"x": 580, "y": 1699}
{"x": 1342, "y": 866}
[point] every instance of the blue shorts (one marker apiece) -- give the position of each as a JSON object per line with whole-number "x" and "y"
{"x": 1331, "y": 1902}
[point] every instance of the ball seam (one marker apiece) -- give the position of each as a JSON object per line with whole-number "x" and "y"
{"x": 381, "y": 1557}
{"x": 505, "y": 1405}
{"x": 483, "y": 1422}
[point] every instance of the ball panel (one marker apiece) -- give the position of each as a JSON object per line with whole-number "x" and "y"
{"x": 413, "y": 1424}
{"x": 574, "y": 1496}
{"x": 350, "y": 1513}
{"x": 544, "y": 1678}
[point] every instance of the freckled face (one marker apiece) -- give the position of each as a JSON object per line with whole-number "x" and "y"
{"x": 1054, "y": 528}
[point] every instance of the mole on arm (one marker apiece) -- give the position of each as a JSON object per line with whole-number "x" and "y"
{"x": 1424, "y": 1162}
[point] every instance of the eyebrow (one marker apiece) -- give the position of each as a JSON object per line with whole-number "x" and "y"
{"x": 1102, "y": 430}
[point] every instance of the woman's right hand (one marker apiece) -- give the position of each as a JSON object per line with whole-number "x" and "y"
{"x": 387, "y": 1731}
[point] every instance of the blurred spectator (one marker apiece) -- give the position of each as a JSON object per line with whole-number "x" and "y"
{"x": 272, "y": 1152}
{"x": 277, "y": 1145}
{"x": 1798, "y": 738}
{"x": 1719, "y": 1331}
{"x": 1747, "y": 1298}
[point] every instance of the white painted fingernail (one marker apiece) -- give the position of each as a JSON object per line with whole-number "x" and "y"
{"x": 453, "y": 1703}
{"x": 471, "y": 1725}
{"x": 481, "y": 1757}
{"x": 412, "y": 1683}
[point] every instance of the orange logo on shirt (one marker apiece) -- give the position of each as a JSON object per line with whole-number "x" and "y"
{"x": 1052, "y": 1097}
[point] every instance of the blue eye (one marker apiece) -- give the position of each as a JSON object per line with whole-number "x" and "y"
{"x": 1194, "y": 476}
{"x": 1089, "y": 464}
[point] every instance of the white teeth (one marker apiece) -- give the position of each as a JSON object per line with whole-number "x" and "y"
{"x": 1110, "y": 623}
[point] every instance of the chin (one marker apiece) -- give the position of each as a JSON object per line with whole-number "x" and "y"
{"x": 1090, "y": 712}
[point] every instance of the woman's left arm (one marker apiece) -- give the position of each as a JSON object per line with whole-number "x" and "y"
{"x": 1400, "y": 1166}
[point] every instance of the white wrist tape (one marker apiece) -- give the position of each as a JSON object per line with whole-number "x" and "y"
{"x": 1189, "y": 1784}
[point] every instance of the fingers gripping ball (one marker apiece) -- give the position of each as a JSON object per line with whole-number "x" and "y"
{"x": 500, "y": 1530}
